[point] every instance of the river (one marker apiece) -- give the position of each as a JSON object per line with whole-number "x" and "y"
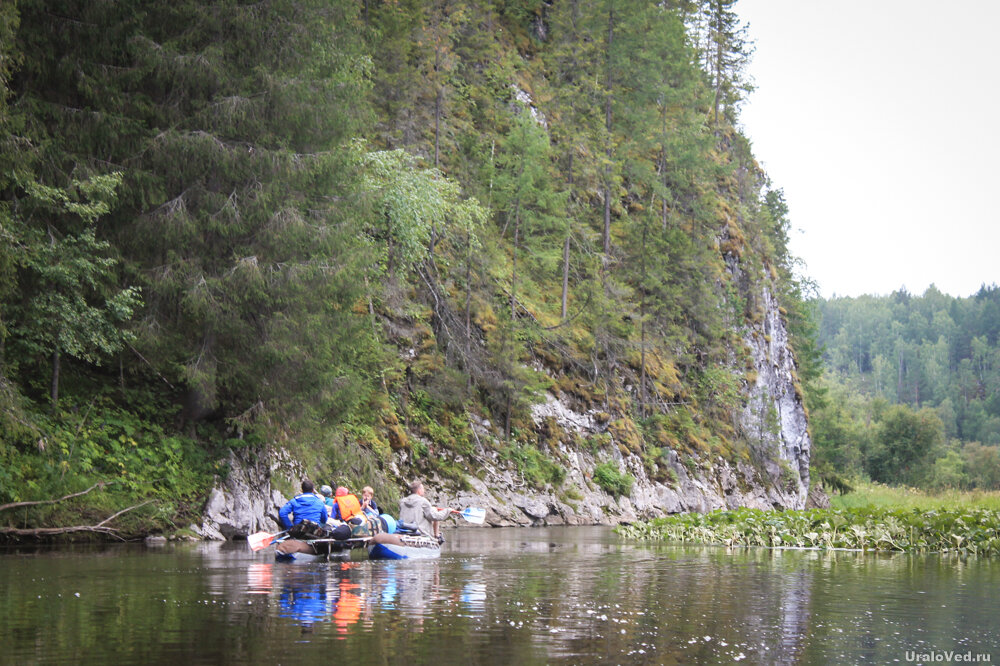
{"x": 567, "y": 595}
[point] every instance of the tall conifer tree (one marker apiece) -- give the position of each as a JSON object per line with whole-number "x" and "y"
{"x": 232, "y": 126}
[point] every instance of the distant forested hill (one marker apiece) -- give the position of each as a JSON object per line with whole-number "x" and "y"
{"x": 347, "y": 226}
{"x": 914, "y": 387}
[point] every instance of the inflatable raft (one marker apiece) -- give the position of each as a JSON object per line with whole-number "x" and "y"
{"x": 384, "y": 546}
{"x": 316, "y": 550}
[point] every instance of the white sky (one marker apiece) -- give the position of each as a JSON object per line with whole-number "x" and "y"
{"x": 880, "y": 120}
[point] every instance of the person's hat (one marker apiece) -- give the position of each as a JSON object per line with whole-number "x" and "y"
{"x": 326, "y": 491}
{"x": 341, "y": 491}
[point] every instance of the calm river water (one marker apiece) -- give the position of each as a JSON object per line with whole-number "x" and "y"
{"x": 574, "y": 595}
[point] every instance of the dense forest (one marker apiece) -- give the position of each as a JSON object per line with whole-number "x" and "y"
{"x": 344, "y": 227}
{"x": 911, "y": 392}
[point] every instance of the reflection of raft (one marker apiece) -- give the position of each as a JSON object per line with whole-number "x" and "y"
{"x": 384, "y": 546}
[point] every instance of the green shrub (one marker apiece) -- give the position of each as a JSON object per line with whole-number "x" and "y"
{"x": 537, "y": 468}
{"x": 135, "y": 458}
{"x": 963, "y": 531}
{"x": 617, "y": 483}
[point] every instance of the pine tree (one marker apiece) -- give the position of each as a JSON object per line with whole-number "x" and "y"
{"x": 727, "y": 53}
{"x": 576, "y": 126}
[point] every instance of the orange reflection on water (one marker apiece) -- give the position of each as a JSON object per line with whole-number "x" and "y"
{"x": 260, "y": 577}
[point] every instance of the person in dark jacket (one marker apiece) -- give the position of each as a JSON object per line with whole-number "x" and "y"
{"x": 307, "y": 506}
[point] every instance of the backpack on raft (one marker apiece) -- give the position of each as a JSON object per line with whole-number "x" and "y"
{"x": 309, "y": 529}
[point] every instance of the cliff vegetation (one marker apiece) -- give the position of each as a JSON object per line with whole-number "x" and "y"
{"x": 377, "y": 235}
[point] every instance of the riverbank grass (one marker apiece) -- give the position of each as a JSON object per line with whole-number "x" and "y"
{"x": 964, "y": 531}
{"x": 867, "y": 494}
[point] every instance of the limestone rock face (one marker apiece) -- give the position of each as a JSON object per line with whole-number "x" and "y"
{"x": 774, "y": 417}
{"x": 245, "y": 501}
{"x": 817, "y": 499}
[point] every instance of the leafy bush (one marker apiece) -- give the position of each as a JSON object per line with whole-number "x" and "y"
{"x": 99, "y": 442}
{"x": 613, "y": 481}
{"x": 537, "y": 468}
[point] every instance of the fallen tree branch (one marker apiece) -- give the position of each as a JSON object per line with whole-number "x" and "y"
{"x": 53, "y": 531}
{"x": 15, "y": 505}
{"x": 100, "y": 527}
{"x": 113, "y": 516}
{"x": 152, "y": 367}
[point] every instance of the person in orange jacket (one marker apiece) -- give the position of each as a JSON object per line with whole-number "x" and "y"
{"x": 346, "y": 505}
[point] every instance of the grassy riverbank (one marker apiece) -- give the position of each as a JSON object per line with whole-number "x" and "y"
{"x": 866, "y": 494}
{"x": 960, "y": 530}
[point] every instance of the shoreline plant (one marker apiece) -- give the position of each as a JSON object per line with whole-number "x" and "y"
{"x": 963, "y": 531}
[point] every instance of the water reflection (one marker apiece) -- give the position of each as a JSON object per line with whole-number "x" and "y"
{"x": 317, "y": 594}
{"x": 343, "y": 593}
{"x": 533, "y": 596}
{"x": 303, "y": 598}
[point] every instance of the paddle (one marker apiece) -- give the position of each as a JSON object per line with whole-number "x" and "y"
{"x": 262, "y": 540}
{"x": 474, "y": 515}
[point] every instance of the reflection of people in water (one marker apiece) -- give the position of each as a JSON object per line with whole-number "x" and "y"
{"x": 347, "y": 602}
{"x": 348, "y": 591}
{"x": 417, "y": 588}
{"x": 347, "y": 609}
{"x": 303, "y": 598}
{"x": 319, "y": 596}
{"x": 260, "y": 577}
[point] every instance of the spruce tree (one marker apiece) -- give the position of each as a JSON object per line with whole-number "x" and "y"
{"x": 233, "y": 127}
{"x": 727, "y": 52}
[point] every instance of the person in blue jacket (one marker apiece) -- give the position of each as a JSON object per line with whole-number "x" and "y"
{"x": 307, "y": 506}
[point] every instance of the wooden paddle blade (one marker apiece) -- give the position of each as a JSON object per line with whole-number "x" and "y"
{"x": 260, "y": 541}
{"x": 474, "y": 515}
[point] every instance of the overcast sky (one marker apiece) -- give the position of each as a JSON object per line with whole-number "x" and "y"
{"x": 880, "y": 119}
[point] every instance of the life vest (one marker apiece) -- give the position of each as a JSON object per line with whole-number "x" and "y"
{"x": 349, "y": 506}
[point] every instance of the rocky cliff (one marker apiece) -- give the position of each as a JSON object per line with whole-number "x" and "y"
{"x": 774, "y": 475}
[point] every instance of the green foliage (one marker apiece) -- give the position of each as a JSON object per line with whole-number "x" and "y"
{"x": 932, "y": 351}
{"x": 67, "y": 300}
{"x": 726, "y": 53}
{"x": 439, "y": 423}
{"x": 355, "y": 223}
{"x": 965, "y": 532}
{"x": 904, "y": 443}
{"x": 229, "y": 209}
{"x": 948, "y": 472}
{"x": 535, "y": 467}
{"x": 410, "y": 203}
{"x": 131, "y": 450}
{"x": 922, "y": 352}
{"x": 719, "y": 388}
{"x": 615, "y": 482}
{"x": 982, "y": 465}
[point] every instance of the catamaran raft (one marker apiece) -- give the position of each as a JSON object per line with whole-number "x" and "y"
{"x": 383, "y": 539}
